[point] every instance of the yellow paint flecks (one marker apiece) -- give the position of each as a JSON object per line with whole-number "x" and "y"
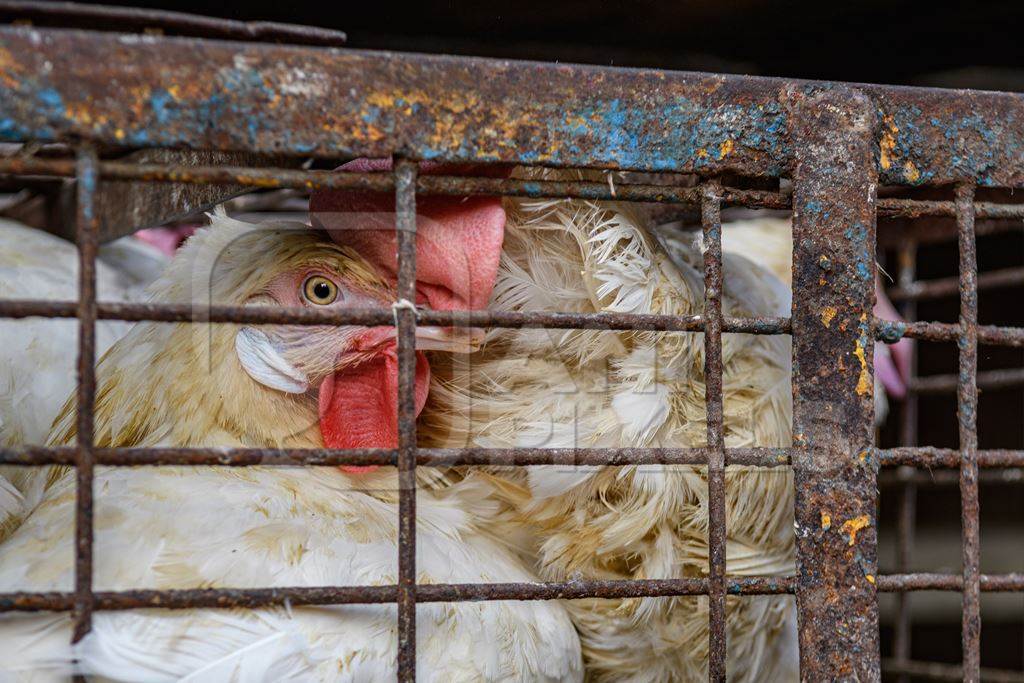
{"x": 852, "y": 526}
{"x": 888, "y": 143}
{"x": 870, "y": 578}
{"x": 910, "y": 171}
{"x": 826, "y": 521}
{"x": 119, "y": 134}
{"x": 827, "y": 315}
{"x": 864, "y": 381}
{"x": 702, "y": 153}
{"x": 9, "y": 68}
{"x": 726, "y": 148}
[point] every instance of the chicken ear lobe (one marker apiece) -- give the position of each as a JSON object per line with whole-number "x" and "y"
{"x": 263, "y": 363}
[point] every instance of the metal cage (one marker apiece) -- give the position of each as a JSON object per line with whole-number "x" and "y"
{"x": 836, "y": 142}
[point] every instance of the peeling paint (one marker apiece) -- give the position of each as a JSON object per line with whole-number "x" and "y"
{"x": 852, "y": 526}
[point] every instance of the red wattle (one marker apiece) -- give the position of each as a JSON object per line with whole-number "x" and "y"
{"x": 359, "y": 406}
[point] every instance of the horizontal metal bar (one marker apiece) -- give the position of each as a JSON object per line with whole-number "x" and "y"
{"x": 989, "y": 379}
{"x": 922, "y": 457}
{"x": 988, "y": 335}
{"x": 276, "y": 178}
{"x": 895, "y": 207}
{"x": 465, "y": 592}
{"x": 425, "y": 457}
{"x": 932, "y": 458}
{"x": 991, "y": 583}
{"x": 937, "y": 671}
{"x": 12, "y": 308}
{"x": 561, "y": 590}
{"x": 950, "y": 286}
{"x": 384, "y": 182}
{"x": 231, "y": 96}
{"x": 886, "y": 331}
{"x": 110, "y": 18}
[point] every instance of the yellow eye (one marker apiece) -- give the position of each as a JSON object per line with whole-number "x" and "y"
{"x": 319, "y": 290}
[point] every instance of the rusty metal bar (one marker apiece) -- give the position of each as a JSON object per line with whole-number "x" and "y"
{"x": 711, "y": 219}
{"x": 86, "y": 390}
{"x": 988, "y": 380}
{"x": 833, "y": 287}
{"x": 967, "y": 414}
{"x": 884, "y": 330}
{"x": 277, "y": 178}
{"x": 935, "y": 671}
{"x": 425, "y": 457}
{"x": 923, "y": 457}
{"x": 570, "y": 116}
{"x": 382, "y": 316}
{"x": 989, "y": 583}
{"x": 932, "y": 458}
{"x": 341, "y": 595}
{"x": 110, "y": 18}
{"x": 267, "y": 178}
{"x": 989, "y": 335}
{"x": 907, "y": 512}
{"x": 933, "y": 289}
{"x": 405, "y": 319}
{"x": 465, "y": 592}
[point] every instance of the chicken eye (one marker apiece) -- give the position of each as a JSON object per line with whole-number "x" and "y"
{"x": 319, "y": 290}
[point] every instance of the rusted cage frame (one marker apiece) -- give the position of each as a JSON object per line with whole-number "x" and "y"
{"x": 1000, "y": 170}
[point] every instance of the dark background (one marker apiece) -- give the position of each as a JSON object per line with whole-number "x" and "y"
{"x": 978, "y": 45}
{"x": 911, "y": 42}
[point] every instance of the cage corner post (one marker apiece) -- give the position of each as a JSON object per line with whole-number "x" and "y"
{"x": 835, "y": 187}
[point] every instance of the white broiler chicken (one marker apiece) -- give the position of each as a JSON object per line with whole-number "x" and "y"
{"x": 37, "y": 356}
{"x": 538, "y": 388}
{"x": 190, "y": 527}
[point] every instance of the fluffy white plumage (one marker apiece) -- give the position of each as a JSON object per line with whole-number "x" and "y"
{"x": 186, "y": 527}
{"x": 608, "y": 389}
{"x": 37, "y": 356}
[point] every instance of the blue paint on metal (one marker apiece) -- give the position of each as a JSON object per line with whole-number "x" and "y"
{"x": 159, "y": 101}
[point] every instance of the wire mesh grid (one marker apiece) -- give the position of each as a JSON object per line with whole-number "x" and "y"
{"x": 83, "y": 600}
{"x": 817, "y": 180}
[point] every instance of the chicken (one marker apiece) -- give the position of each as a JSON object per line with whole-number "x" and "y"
{"x": 769, "y": 242}
{"x": 37, "y": 357}
{"x": 584, "y": 388}
{"x": 270, "y": 386}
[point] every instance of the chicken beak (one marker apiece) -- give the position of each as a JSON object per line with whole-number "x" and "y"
{"x": 452, "y": 339}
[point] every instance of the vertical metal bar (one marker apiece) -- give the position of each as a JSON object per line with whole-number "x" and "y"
{"x": 967, "y": 408}
{"x": 833, "y": 285}
{"x": 405, "y": 223}
{"x": 711, "y": 217}
{"x": 906, "y": 522}
{"x": 86, "y": 227}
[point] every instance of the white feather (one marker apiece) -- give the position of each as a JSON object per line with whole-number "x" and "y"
{"x": 264, "y": 364}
